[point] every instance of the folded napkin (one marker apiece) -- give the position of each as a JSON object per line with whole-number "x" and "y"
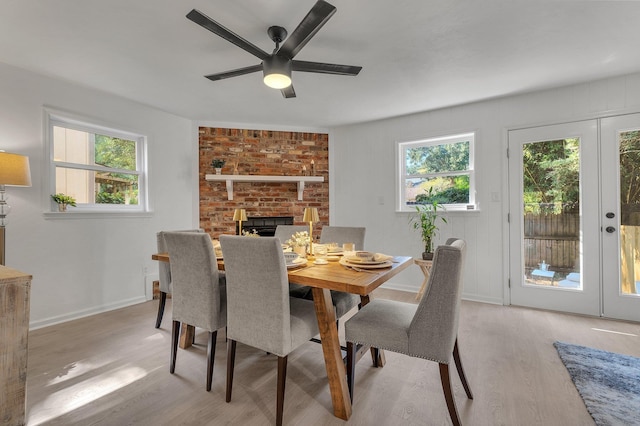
{"x": 382, "y": 257}
{"x": 377, "y": 257}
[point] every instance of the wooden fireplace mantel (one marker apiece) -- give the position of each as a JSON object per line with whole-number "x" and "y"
{"x": 230, "y": 179}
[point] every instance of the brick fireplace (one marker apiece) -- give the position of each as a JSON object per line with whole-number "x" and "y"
{"x": 262, "y": 153}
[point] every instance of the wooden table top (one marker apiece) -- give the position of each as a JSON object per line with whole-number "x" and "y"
{"x": 334, "y": 276}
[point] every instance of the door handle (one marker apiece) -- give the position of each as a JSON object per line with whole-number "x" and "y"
{"x": 610, "y": 229}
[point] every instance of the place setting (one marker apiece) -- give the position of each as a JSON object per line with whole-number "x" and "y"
{"x": 293, "y": 260}
{"x": 365, "y": 261}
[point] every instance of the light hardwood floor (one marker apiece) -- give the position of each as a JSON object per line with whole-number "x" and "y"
{"x": 113, "y": 369}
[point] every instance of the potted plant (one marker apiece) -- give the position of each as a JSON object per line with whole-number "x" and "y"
{"x": 425, "y": 221}
{"x": 217, "y": 164}
{"x": 299, "y": 242}
{"x": 63, "y": 201}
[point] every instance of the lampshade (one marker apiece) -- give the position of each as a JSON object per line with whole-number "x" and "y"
{"x": 277, "y": 72}
{"x": 14, "y": 170}
{"x": 311, "y": 215}
{"x": 239, "y": 215}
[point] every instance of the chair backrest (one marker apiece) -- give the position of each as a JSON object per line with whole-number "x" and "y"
{"x": 343, "y": 234}
{"x": 164, "y": 270}
{"x": 257, "y": 293}
{"x": 284, "y": 232}
{"x": 197, "y": 298}
{"x": 434, "y": 327}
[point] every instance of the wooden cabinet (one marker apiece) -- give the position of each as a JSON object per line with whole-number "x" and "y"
{"x": 15, "y": 288}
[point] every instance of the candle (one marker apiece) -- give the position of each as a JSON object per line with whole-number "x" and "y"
{"x": 312, "y": 162}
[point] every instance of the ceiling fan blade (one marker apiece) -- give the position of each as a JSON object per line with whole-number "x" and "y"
{"x": 234, "y": 73}
{"x": 308, "y": 27}
{"x": 288, "y": 92}
{"x": 323, "y": 68}
{"x": 208, "y": 23}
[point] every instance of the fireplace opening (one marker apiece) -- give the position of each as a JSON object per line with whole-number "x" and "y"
{"x": 265, "y": 226}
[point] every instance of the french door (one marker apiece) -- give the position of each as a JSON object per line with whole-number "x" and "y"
{"x": 574, "y": 228}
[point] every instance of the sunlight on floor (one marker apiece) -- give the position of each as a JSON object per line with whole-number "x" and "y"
{"x": 75, "y": 396}
{"x": 615, "y": 332}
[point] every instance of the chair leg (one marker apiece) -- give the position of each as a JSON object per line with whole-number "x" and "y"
{"x": 463, "y": 377}
{"x": 163, "y": 300}
{"x": 282, "y": 378}
{"x": 351, "y": 367}
{"x": 448, "y": 394}
{"x": 231, "y": 360}
{"x": 211, "y": 356}
{"x": 175, "y": 336}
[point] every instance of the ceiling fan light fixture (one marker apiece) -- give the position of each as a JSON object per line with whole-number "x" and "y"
{"x": 277, "y": 72}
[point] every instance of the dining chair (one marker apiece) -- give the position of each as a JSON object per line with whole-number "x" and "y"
{"x": 199, "y": 291}
{"x": 343, "y": 234}
{"x": 284, "y": 232}
{"x": 164, "y": 274}
{"x": 427, "y": 330}
{"x": 342, "y": 301}
{"x": 260, "y": 312}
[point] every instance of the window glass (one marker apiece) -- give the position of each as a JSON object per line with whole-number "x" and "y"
{"x": 101, "y": 168}
{"x": 439, "y": 169}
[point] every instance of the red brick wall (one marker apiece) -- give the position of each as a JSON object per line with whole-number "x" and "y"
{"x": 262, "y": 152}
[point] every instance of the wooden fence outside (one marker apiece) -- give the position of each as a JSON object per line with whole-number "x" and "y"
{"x": 554, "y": 239}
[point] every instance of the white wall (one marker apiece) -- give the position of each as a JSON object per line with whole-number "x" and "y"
{"x": 84, "y": 266}
{"x": 362, "y": 171}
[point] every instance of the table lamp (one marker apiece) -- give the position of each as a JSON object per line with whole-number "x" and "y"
{"x": 311, "y": 216}
{"x": 238, "y": 216}
{"x": 14, "y": 171}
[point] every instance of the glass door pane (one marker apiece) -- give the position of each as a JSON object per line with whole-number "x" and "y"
{"x": 551, "y": 220}
{"x": 620, "y": 157}
{"x": 553, "y": 205}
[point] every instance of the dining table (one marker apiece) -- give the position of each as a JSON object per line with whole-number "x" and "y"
{"x": 322, "y": 279}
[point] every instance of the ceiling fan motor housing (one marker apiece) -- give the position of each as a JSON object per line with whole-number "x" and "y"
{"x": 277, "y": 71}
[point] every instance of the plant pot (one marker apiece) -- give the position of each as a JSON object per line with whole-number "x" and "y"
{"x": 427, "y": 255}
{"x": 62, "y": 207}
{"x": 218, "y": 170}
{"x": 301, "y": 251}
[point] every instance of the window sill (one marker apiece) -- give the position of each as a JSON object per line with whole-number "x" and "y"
{"x": 95, "y": 215}
{"x": 448, "y": 211}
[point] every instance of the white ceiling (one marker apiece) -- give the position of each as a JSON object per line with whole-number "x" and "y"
{"x": 416, "y": 55}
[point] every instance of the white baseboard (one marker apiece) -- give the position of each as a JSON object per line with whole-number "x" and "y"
{"x": 465, "y": 296}
{"x": 34, "y": 325}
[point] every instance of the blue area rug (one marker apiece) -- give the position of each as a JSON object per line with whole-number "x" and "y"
{"x": 609, "y": 383}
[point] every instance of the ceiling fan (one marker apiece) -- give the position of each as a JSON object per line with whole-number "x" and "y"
{"x": 278, "y": 65}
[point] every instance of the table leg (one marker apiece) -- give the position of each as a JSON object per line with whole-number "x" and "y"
{"x": 187, "y": 333}
{"x": 377, "y": 355}
{"x": 334, "y": 364}
{"x": 426, "y": 270}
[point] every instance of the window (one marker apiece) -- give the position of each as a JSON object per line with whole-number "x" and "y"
{"x": 439, "y": 169}
{"x": 102, "y": 168}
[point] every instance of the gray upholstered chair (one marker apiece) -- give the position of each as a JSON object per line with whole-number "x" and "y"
{"x": 428, "y": 330}
{"x": 284, "y": 232}
{"x": 260, "y": 311}
{"x": 343, "y": 302}
{"x": 164, "y": 274}
{"x": 343, "y": 234}
{"x": 199, "y": 291}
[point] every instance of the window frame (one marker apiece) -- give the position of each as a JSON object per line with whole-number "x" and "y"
{"x": 93, "y": 126}
{"x": 402, "y": 176}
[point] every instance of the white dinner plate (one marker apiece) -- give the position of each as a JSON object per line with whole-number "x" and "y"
{"x": 296, "y": 263}
{"x": 385, "y": 264}
{"x": 357, "y": 261}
